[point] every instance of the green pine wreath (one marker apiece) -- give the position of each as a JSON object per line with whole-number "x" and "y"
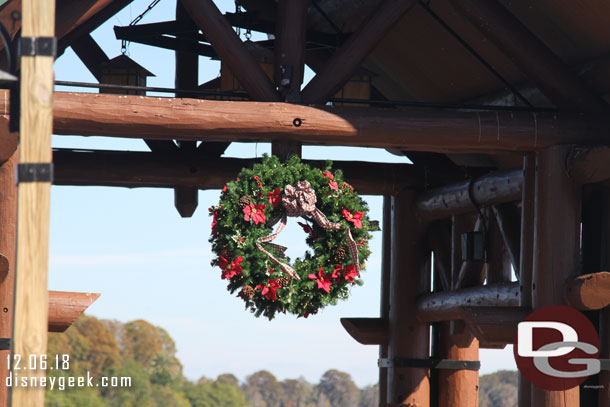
{"x": 251, "y": 209}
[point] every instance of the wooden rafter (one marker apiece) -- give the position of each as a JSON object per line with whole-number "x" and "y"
{"x": 349, "y": 57}
{"x": 412, "y": 128}
{"x": 290, "y": 48}
{"x": 231, "y": 49}
{"x": 552, "y": 76}
{"x": 65, "y": 307}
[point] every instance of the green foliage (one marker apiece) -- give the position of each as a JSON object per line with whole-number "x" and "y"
{"x": 235, "y": 239}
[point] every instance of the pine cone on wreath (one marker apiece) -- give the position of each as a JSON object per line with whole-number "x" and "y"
{"x": 340, "y": 253}
{"x": 244, "y": 201}
{"x": 348, "y": 187}
{"x": 284, "y": 281}
{"x": 247, "y": 292}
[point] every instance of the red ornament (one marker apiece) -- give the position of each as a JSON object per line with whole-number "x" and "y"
{"x": 349, "y": 272}
{"x": 333, "y": 185}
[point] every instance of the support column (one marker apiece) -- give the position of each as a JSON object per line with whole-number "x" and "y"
{"x": 459, "y": 388}
{"x": 409, "y": 277}
{"x": 8, "y": 239}
{"x": 36, "y": 123}
{"x": 526, "y": 258}
{"x": 556, "y": 247}
{"x": 386, "y": 258}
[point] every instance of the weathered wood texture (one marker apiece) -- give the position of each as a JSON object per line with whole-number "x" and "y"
{"x": 409, "y": 277}
{"x": 589, "y": 164}
{"x": 556, "y": 247}
{"x": 495, "y": 326}
{"x": 65, "y": 307}
{"x": 136, "y": 169}
{"x": 8, "y": 140}
{"x": 231, "y": 49}
{"x": 31, "y": 296}
{"x": 8, "y": 239}
{"x": 359, "y": 45}
{"x": 401, "y": 129}
{"x": 289, "y": 47}
{"x": 367, "y": 331}
{"x": 384, "y": 297}
{"x": 526, "y": 258}
{"x": 494, "y": 188}
{"x": 446, "y": 305}
{"x": 589, "y": 291}
{"x": 508, "y": 219}
{"x": 529, "y": 54}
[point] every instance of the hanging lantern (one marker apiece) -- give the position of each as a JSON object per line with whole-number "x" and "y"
{"x": 263, "y": 56}
{"x": 358, "y": 87}
{"x": 123, "y": 70}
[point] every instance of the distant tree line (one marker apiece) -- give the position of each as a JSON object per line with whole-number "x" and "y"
{"x": 147, "y": 354}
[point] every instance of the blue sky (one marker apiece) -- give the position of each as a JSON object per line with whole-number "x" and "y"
{"x": 148, "y": 263}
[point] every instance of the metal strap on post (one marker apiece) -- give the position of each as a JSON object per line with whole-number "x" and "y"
{"x": 431, "y": 363}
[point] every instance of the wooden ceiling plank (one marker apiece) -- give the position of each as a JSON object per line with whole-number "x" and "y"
{"x": 530, "y": 54}
{"x": 350, "y": 55}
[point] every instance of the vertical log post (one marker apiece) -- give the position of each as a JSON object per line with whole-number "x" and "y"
{"x": 409, "y": 277}
{"x": 8, "y": 239}
{"x": 459, "y": 387}
{"x": 386, "y": 257}
{"x": 556, "y": 247}
{"x": 187, "y": 77}
{"x": 289, "y": 62}
{"x": 526, "y": 257}
{"x": 31, "y": 292}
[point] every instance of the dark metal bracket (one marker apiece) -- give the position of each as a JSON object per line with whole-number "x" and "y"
{"x": 38, "y": 46}
{"x": 431, "y": 363}
{"x": 34, "y": 172}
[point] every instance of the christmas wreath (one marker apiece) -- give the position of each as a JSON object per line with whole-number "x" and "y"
{"x": 332, "y": 215}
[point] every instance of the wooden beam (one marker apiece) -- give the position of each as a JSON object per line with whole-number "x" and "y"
{"x": 498, "y": 260}
{"x": 384, "y": 300}
{"x": 556, "y": 247}
{"x": 65, "y": 307}
{"x": 8, "y": 240}
{"x": 508, "y": 219}
{"x": 589, "y": 291}
{"x": 231, "y": 49}
{"x": 495, "y": 326}
{"x": 152, "y": 170}
{"x": 359, "y": 45}
{"x": 526, "y": 256}
{"x": 91, "y": 24}
{"x": 367, "y": 331}
{"x": 8, "y": 141}
{"x": 529, "y": 54}
{"x": 409, "y": 277}
{"x": 494, "y": 188}
{"x": 30, "y": 317}
{"x": 446, "y": 305}
{"x": 409, "y": 128}
{"x": 439, "y": 240}
{"x": 290, "y": 29}
{"x": 589, "y": 164}
{"x": 87, "y": 50}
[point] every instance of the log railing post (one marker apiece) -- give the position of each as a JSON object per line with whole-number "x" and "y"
{"x": 8, "y": 239}
{"x": 556, "y": 247}
{"x": 409, "y": 277}
{"x": 30, "y": 315}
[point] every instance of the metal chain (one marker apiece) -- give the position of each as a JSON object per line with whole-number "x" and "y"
{"x": 136, "y": 21}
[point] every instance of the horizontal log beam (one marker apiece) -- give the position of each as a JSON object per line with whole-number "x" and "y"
{"x": 367, "y": 331}
{"x": 495, "y": 327}
{"x": 494, "y": 188}
{"x": 139, "y": 169}
{"x": 589, "y": 165}
{"x": 65, "y": 307}
{"x": 447, "y": 305}
{"x": 589, "y": 291}
{"x": 418, "y": 129}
